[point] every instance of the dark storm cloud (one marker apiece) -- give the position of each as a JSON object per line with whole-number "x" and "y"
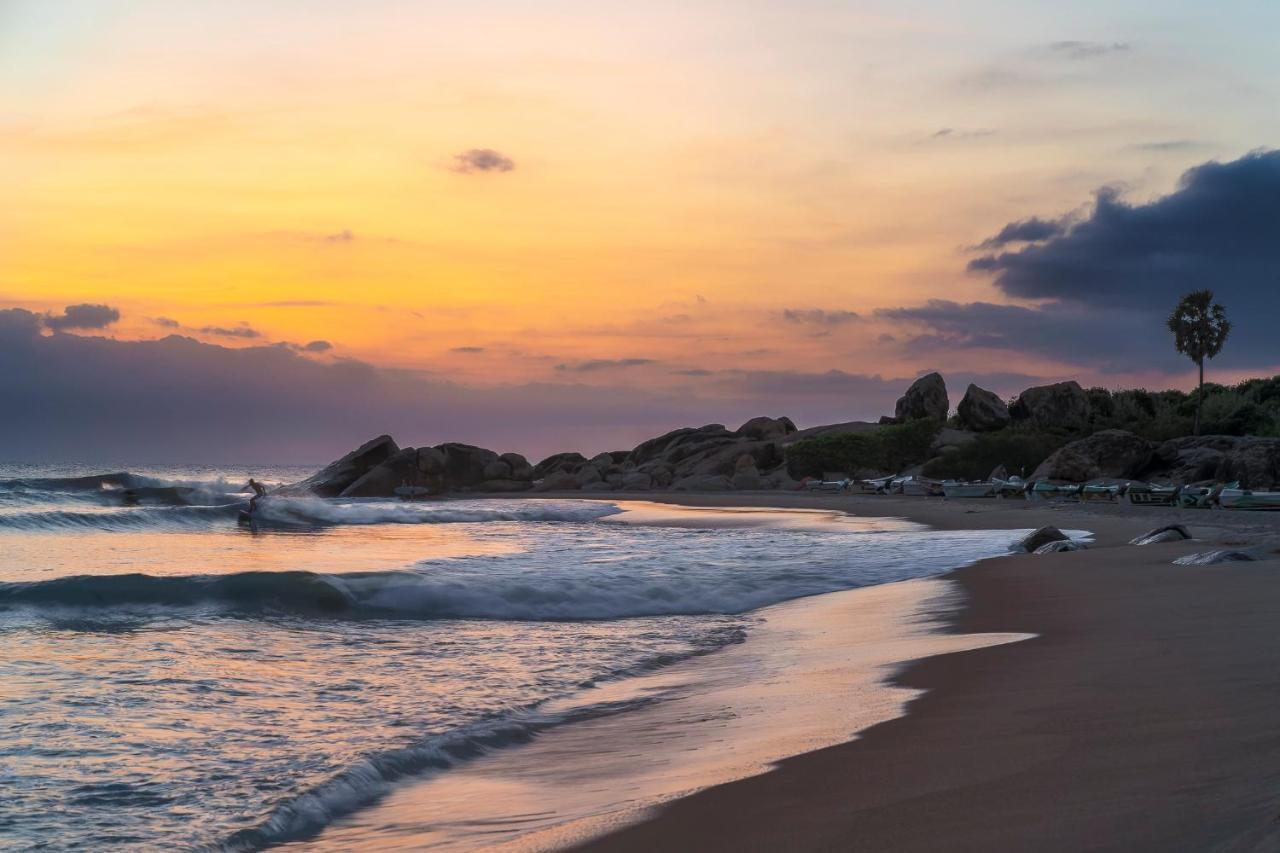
{"x": 598, "y": 364}
{"x": 83, "y": 316}
{"x": 1087, "y": 49}
{"x": 819, "y": 316}
{"x": 482, "y": 160}
{"x": 1030, "y": 230}
{"x": 1220, "y": 229}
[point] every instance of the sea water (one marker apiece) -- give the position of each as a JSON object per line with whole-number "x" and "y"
{"x": 172, "y": 678}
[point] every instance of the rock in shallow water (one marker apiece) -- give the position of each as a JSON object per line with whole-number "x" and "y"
{"x": 1168, "y": 533}
{"x": 1038, "y": 538}
{"x": 1209, "y": 558}
{"x": 1060, "y": 545}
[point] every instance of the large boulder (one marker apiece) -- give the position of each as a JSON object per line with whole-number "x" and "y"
{"x": 1109, "y": 453}
{"x": 982, "y": 410}
{"x": 558, "y": 463}
{"x": 1252, "y": 460}
{"x": 1037, "y": 539}
{"x": 637, "y": 481}
{"x": 1168, "y": 533}
{"x": 331, "y": 480}
{"x": 466, "y": 465}
{"x": 556, "y": 481}
{"x": 1063, "y": 405}
{"x": 926, "y": 398}
{"x": 520, "y": 467}
{"x": 400, "y": 469}
{"x": 766, "y": 429}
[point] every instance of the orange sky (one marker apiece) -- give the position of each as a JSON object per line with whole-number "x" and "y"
{"x": 680, "y": 179}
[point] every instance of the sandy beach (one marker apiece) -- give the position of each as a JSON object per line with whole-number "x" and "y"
{"x": 1140, "y": 717}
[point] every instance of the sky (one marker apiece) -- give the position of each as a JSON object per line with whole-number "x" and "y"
{"x": 245, "y": 231}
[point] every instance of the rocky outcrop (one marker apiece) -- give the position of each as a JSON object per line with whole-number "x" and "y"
{"x": 926, "y": 398}
{"x": 334, "y": 478}
{"x": 1212, "y": 558}
{"x": 1254, "y": 461}
{"x": 982, "y": 410}
{"x": 1111, "y": 453}
{"x": 745, "y": 473}
{"x": 767, "y": 429}
{"x": 1062, "y": 406}
{"x": 401, "y": 468}
{"x": 703, "y": 483}
{"x": 521, "y": 470}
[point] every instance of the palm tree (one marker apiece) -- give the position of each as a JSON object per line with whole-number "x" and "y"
{"x": 1200, "y": 328}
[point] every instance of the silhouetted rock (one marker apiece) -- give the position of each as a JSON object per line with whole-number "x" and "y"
{"x": 766, "y": 429}
{"x": 1210, "y": 558}
{"x": 1039, "y": 538}
{"x": 745, "y": 473}
{"x": 399, "y": 469}
{"x": 520, "y": 467}
{"x": 1060, "y": 545}
{"x": 1063, "y": 405}
{"x": 557, "y": 463}
{"x": 1252, "y": 460}
{"x": 982, "y": 411}
{"x": 926, "y": 398}
{"x": 703, "y": 483}
{"x": 1168, "y": 533}
{"x": 331, "y": 480}
{"x": 1111, "y": 453}
{"x": 466, "y": 465}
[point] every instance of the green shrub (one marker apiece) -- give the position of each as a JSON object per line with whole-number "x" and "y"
{"x": 1018, "y": 450}
{"x": 888, "y": 449}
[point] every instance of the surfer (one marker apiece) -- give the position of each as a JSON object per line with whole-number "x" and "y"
{"x": 259, "y": 491}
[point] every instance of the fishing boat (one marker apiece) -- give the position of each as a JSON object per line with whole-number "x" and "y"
{"x": 1109, "y": 492}
{"x": 874, "y": 486}
{"x": 1013, "y": 487}
{"x": 1149, "y": 494}
{"x": 922, "y": 487}
{"x": 1198, "y": 497}
{"x": 1235, "y": 498}
{"x": 957, "y": 489}
{"x": 1043, "y": 490}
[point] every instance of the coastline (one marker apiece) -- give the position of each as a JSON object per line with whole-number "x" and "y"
{"x": 1140, "y": 717}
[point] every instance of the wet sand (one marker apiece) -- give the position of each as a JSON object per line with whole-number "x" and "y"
{"x": 1143, "y": 715}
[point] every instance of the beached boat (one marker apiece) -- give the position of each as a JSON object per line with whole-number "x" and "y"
{"x": 1108, "y": 493}
{"x": 875, "y": 486}
{"x": 921, "y": 487}
{"x": 1043, "y": 490}
{"x": 1230, "y": 498}
{"x": 957, "y": 489}
{"x": 1148, "y": 494}
{"x": 1014, "y": 487}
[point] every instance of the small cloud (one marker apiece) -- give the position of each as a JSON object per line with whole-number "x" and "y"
{"x": 482, "y": 160}
{"x": 693, "y": 371}
{"x": 83, "y": 316}
{"x": 598, "y": 364}
{"x": 317, "y": 346}
{"x": 819, "y": 316}
{"x": 952, "y": 133}
{"x": 341, "y": 237}
{"x": 241, "y": 331}
{"x": 1167, "y": 145}
{"x": 1031, "y": 230}
{"x": 1072, "y": 49}
{"x": 468, "y": 350}
{"x": 166, "y": 322}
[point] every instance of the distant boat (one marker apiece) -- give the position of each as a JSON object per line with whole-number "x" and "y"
{"x": 1107, "y": 492}
{"x": 876, "y": 486}
{"x": 956, "y": 489}
{"x": 1046, "y": 491}
{"x": 1230, "y": 498}
{"x": 1148, "y": 494}
{"x": 922, "y": 487}
{"x": 1014, "y": 487}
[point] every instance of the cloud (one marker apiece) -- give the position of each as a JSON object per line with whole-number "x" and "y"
{"x": 820, "y": 316}
{"x": 468, "y": 350}
{"x": 598, "y": 364}
{"x": 482, "y": 160}
{"x": 694, "y": 371}
{"x": 952, "y": 133}
{"x": 1030, "y": 230}
{"x": 244, "y": 330}
{"x": 1219, "y": 229}
{"x": 1167, "y": 145}
{"x": 83, "y": 316}
{"x": 166, "y": 322}
{"x": 316, "y": 346}
{"x": 1087, "y": 49}
{"x": 341, "y": 237}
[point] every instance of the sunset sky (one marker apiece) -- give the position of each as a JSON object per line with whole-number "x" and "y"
{"x": 555, "y": 225}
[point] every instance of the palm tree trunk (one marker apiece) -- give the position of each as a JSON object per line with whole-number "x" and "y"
{"x": 1200, "y": 396}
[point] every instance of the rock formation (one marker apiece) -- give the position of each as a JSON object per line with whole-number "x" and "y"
{"x": 982, "y": 410}
{"x": 1252, "y": 460}
{"x": 926, "y": 398}
{"x": 1062, "y": 406}
{"x": 1112, "y": 453}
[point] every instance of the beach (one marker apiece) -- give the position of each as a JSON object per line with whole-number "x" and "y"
{"x": 1140, "y": 717}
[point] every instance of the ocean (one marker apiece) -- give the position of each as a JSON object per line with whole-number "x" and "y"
{"x": 171, "y": 678}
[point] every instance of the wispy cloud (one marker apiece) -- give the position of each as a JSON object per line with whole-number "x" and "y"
{"x": 1074, "y": 49}
{"x": 820, "y": 316}
{"x": 482, "y": 160}
{"x": 598, "y": 364}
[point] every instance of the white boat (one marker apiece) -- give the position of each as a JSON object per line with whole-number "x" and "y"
{"x": 1149, "y": 494}
{"x": 1230, "y": 498}
{"x": 956, "y": 489}
{"x": 1043, "y": 490}
{"x": 1102, "y": 492}
{"x": 921, "y": 487}
{"x": 1014, "y": 487}
{"x": 876, "y": 486}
